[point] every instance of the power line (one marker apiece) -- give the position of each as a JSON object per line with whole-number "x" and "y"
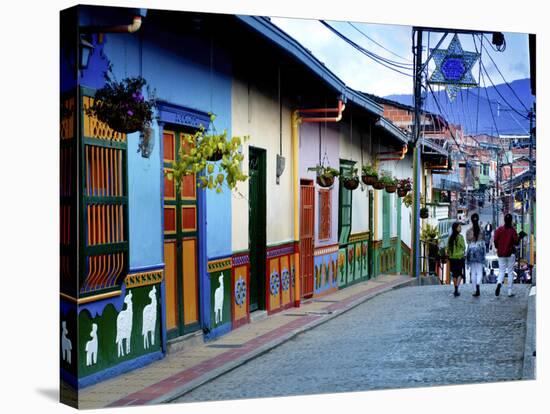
{"x": 499, "y": 94}
{"x": 382, "y": 46}
{"x": 366, "y": 52}
{"x": 505, "y": 81}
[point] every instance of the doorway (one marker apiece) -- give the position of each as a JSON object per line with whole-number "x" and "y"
{"x": 307, "y": 236}
{"x": 257, "y": 226}
{"x": 180, "y": 242}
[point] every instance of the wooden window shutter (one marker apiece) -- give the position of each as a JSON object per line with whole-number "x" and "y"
{"x": 325, "y": 214}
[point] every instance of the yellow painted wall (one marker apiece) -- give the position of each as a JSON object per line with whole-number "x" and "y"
{"x": 255, "y": 112}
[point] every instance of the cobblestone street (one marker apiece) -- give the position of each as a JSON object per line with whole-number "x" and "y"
{"x": 409, "y": 337}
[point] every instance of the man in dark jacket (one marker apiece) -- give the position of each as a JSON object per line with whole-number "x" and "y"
{"x": 506, "y": 239}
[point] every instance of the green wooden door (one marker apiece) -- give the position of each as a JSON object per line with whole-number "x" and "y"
{"x": 257, "y": 227}
{"x": 344, "y": 222}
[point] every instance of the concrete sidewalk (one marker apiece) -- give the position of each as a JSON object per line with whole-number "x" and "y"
{"x": 182, "y": 371}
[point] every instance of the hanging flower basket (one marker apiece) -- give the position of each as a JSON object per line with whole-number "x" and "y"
{"x": 377, "y": 185}
{"x": 424, "y": 214}
{"x": 389, "y": 182}
{"x": 349, "y": 179}
{"x": 122, "y": 106}
{"x": 216, "y": 156}
{"x": 401, "y": 192}
{"x": 325, "y": 181}
{"x": 391, "y": 188}
{"x": 325, "y": 175}
{"x": 351, "y": 183}
{"x": 204, "y": 146}
{"x": 369, "y": 174}
{"x": 369, "y": 179}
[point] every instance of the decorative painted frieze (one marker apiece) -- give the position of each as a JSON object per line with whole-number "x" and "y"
{"x": 144, "y": 279}
{"x": 218, "y": 265}
{"x": 321, "y": 251}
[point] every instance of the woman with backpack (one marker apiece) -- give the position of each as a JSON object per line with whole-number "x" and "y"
{"x": 475, "y": 255}
{"x": 455, "y": 250}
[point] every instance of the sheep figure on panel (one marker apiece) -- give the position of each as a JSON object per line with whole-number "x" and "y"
{"x": 124, "y": 326}
{"x": 218, "y": 302}
{"x": 150, "y": 319}
{"x": 91, "y": 347}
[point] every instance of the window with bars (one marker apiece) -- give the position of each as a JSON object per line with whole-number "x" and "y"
{"x": 325, "y": 207}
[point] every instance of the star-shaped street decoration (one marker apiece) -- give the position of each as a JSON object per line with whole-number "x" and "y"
{"x": 453, "y": 67}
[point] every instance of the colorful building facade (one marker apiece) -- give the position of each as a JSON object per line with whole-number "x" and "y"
{"x": 146, "y": 263}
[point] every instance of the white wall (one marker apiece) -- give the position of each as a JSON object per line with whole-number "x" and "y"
{"x": 351, "y": 147}
{"x": 255, "y": 113}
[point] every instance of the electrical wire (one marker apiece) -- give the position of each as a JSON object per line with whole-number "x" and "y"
{"x": 504, "y": 79}
{"x": 499, "y": 94}
{"x": 366, "y": 52}
{"x": 382, "y": 46}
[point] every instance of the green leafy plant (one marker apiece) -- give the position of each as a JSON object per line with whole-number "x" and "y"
{"x": 369, "y": 170}
{"x": 429, "y": 233}
{"x": 325, "y": 175}
{"x": 349, "y": 179}
{"x": 197, "y": 156}
{"x": 388, "y": 180}
{"x": 122, "y": 106}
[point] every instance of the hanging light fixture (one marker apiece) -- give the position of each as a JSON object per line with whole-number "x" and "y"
{"x": 86, "y": 49}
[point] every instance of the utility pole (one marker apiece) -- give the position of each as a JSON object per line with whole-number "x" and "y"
{"x": 417, "y": 52}
{"x": 531, "y": 192}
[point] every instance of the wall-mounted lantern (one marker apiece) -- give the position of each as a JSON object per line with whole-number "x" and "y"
{"x": 86, "y": 49}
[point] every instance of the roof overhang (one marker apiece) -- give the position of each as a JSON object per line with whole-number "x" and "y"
{"x": 264, "y": 26}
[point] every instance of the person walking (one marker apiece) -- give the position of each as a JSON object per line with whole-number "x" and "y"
{"x": 506, "y": 238}
{"x": 488, "y": 234}
{"x": 455, "y": 249}
{"x": 475, "y": 254}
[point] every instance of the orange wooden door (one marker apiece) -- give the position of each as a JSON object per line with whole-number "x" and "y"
{"x": 180, "y": 243}
{"x": 307, "y": 217}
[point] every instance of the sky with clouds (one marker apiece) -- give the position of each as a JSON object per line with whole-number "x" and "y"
{"x": 360, "y": 72}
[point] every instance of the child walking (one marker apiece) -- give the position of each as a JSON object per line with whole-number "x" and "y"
{"x": 475, "y": 255}
{"x": 455, "y": 250}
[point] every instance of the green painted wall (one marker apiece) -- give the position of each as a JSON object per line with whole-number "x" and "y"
{"x": 107, "y": 350}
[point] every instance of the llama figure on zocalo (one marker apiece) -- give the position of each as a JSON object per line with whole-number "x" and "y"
{"x": 218, "y": 302}
{"x": 66, "y": 344}
{"x": 124, "y": 326}
{"x": 91, "y": 347}
{"x": 150, "y": 319}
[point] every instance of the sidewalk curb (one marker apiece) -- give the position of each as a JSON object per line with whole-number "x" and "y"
{"x": 529, "y": 361}
{"x": 210, "y": 376}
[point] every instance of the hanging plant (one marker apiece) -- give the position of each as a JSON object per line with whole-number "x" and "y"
{"x": 350, "y": 179}
{"x": 198, "y": 154}
{"x": 389, "y": 182}
{"x": 325, "y": 175}
{"x": 369, "y": 174}
{"x": 403, "y": 186}
{"x": 122, "y": 106}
